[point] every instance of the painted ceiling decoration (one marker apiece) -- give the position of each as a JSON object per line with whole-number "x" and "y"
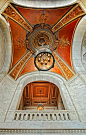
{"x": 42, "y": 38}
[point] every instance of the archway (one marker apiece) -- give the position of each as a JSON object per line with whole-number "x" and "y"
{"x": 56, "y": 79}
{"x": 45, "y": 4}
{"x": 77, "y": 48}
{"x": 49, "y": 97}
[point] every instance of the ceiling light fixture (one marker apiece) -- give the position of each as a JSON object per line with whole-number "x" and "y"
{"x": 44, "y": 59}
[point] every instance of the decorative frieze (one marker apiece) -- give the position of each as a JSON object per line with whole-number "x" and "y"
{"x": 64, "y": 67}
{"x": 18, "y": 67}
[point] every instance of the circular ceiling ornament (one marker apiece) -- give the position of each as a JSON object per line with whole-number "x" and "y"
{"x": 42, "y": 42}
{"x": 44, "y": 60}
{"x": 39, "y": 37}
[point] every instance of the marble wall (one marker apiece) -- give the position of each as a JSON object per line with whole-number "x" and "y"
{"x": 73, "y": 92}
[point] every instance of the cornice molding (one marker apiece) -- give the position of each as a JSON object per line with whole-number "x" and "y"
{"x": 67, "y": 131}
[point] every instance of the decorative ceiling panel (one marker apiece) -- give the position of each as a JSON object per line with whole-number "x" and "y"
{"x": 38, "y": 31}
{"x": 18, "y": 40}
{"x": 49, "y": 94}
{"x": 35, "y": 16}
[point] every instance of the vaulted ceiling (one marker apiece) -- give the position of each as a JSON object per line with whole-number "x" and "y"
{"x": 57, "y": 26}
{"x": 48, "y": 96}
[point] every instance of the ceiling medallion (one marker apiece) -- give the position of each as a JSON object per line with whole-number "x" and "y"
{"x": 42, "y": 42}
{"x": 33, "y": 39}
{"x": 44, "y": 59}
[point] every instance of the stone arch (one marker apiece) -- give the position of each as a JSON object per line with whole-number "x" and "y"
{"x": 83, "y": 50}
{"x": 54, "y": 78}
{"x": 44, "y": 4}
{"x": 77, "y": 46}
{"x": 6, "y": 45}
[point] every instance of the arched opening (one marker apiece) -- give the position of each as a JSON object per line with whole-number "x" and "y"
{"x": 48, "y": 114}
{"x": 78, "y": 48}
{"x": 50, "y": 96}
